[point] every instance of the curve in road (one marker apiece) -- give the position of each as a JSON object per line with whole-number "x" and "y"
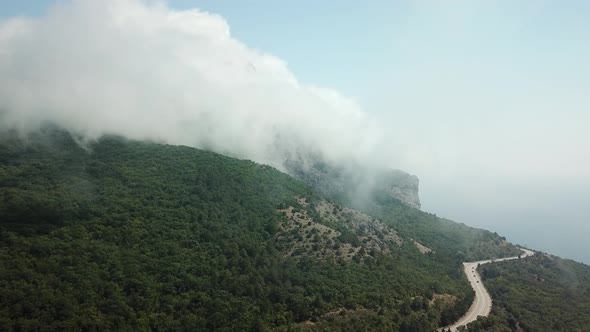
{"x": 482, "y": 304}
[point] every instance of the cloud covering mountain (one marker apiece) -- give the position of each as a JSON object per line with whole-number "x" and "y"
{"x": 145, "y": 71}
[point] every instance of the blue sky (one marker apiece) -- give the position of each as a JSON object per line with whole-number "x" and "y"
{"x": 488, "y": 101}
{"x": 347, "y": 44}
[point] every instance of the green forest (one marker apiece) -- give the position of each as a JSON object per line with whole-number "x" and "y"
{"x": 539, "y": 293}
{"x": 117, "y": 234}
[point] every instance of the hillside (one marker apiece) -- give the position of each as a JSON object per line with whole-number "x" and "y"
{"x": 120, "y": 234}
{"x": 353, "y": 182}
{"x": 541, "y": 293}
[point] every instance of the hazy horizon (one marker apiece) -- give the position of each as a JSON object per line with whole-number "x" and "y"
{"x": 486, "y": 103}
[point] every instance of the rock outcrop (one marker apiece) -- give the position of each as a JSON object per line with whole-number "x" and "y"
{"x": 402, "y": 186}
{"x": 356, "y": 182}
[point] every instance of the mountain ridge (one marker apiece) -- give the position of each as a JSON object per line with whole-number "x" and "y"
{"x": 124, "y": 234}
{"x": 354, "y": 182}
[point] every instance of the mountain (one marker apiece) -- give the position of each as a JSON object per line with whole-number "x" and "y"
{"x": 353, "y": 182}
{"x": 127, "y": 235}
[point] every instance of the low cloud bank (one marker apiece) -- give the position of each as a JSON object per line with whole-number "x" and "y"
{"x": 145, "y": 71}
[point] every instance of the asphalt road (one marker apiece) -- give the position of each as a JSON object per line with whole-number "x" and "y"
{"x": 482, "y": 304}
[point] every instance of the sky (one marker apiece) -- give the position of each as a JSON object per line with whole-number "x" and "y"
{"x": 486, "y": 102}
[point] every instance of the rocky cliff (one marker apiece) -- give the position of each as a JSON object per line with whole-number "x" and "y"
{"x": 355, "y": 182}
{"x": 402, "y": 186}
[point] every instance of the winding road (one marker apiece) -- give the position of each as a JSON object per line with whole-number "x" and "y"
{"x": 482, "y": 304}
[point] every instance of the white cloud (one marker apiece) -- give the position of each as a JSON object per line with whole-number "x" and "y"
{"x": 146, "y": 71}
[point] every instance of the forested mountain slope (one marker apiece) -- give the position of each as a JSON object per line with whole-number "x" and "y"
{"x": 540, "y": 293}
{"x": 134, "y": 235}
{"x": 352, "y": 182}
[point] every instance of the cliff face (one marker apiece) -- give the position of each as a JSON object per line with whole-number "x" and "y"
{"x": 354, "y": 182}
{"x": 401, "y": 186}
